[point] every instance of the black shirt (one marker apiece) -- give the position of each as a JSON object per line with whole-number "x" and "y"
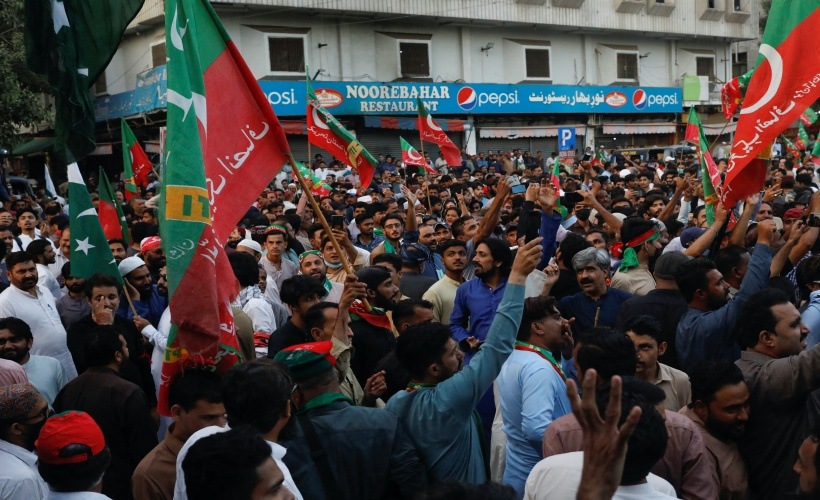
{"x": 286, "y": 336}
{"x": 667, "y": 306}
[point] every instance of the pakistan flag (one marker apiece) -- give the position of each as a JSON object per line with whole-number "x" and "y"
{"x": 90, "y": 253}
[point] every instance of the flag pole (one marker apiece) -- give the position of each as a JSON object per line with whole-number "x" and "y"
{"x": 318, "y": 212}
{"x": 426, "y": 173}
{"x": 720, "y": 134}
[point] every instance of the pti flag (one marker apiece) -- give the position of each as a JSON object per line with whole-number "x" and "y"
{"x": 429, "y": 131}
{"x": 710, "y": 177}
{"x": 802, "y": 136}
{"x": 785, "y": 82}
{"x": 410, "y": 156}
{"x": 317, "y": 185}
{"x": 599, "y": 159}
{"x": 90, "y": 253}
{"x": 135, "y": 162}
{"x": 224, "y": 144}
{"x": 732, "y": 92}
{"x": 110, "y": 212}
{"x": 808, "y": 117}
{"x": 815, "y": 153}
{"x": 791, "y": 147}
{"x": 71, "y": 43}
{"x": 325, "y": 131}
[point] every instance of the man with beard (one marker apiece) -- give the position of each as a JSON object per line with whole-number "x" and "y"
{"x": 420, "y": 235}
{"x": 437, "y": 409}
{"x": 372, "y": 334}
{"x": 42, "y": 253}
{"x": 638, "y": 246}
{"x": 443, "y": 293}
{"x": 237, "y": 235}
{"x": 73, "y": 305}
{"x": 36, "y": 306}
{"x": 705, "y": 331}
{"x": 647, "y": 334}
{"x": 807, "y": 464}
{"x": 299, "y": 293}
{"x": 720, "y": 409}
{"x": 44, "y": 372}
{"x": 442, "y": 233}
{"x": 118, "y": 406}
{"x": 312, "y": 263}
{"x": 118, "y": 250}
{"x": 393, "y": 227}
{"x": 27, "y": 222}
{"x": 103, "y": 294}
{"x": 783, "y": 378}
{"x": 23, "y": 412}
{"x": 478, "y": 299}
{"x": 366, "y": 240}
{"x": 63, "y": 255}
{"x": 153, "y": 255}
{"x": 139, "y": 284}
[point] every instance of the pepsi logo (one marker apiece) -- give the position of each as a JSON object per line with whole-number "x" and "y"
{"x": 467, "y": 98}
{"x": 639, "y": 99}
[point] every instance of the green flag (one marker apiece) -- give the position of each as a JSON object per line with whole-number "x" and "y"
{"x": 89, "y": 248}
{"x": 135, "y": 163}
{"x": 708, "y": 169}
{"x": 802, "y": 137}
{"x": 71, "y": 43}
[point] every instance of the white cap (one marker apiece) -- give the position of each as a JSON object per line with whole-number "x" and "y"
{"x": 668, "y": 158}
{"x": 256, "y": 247}
{"x": 623, "y": 173}
{"x": 129, "y": 264}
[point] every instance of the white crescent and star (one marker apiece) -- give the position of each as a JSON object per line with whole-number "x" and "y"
{"x": 317, "y": 120}
{"x": 776, "y": 64}
{"x": 58, "y": 16}
{"x": 90, "y": 211}
{"x": 413, "y": 155}
{"x": 432, "y": 124}
{"x": 177, "y": 33}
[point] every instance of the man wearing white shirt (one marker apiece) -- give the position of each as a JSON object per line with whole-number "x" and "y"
{"x": 252, "y": 394}
{"x": 43, "y": 254}
{"x": 27, "y": 222}
{"x": 36, "y": 306}
{"x": 23, "y": 411}
{"x": 44, "y": 372}
{"x": 62, "y": 255}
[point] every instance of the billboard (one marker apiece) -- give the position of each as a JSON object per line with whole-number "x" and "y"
{"x": 399, "y": 98}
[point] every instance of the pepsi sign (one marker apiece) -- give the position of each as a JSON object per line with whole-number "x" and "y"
{"x": 401, "y": 98}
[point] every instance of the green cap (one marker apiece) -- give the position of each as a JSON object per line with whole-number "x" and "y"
{"x": 305, "y": 361}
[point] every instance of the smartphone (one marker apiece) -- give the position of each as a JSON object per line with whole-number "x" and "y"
{"x": 519, "y": 188}
{"x": 532, "y": 230}
{"x": 337, "y": 222}
{"x": 814, "y": 220}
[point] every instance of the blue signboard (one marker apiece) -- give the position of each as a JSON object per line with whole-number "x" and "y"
{"x": 149, "y": 94}
{"x": 566, "y": 139}
{"x": 399, "y": 98}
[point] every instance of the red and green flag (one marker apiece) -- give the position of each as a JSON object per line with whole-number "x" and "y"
{"x": 791, "y": 147}
{"x": 318, "y": 186}
{"x": 135, "y": 162}
{"x": 71, "y": 43}
{"x": 325, "y": 131}
{"x": 808, "y": 117}
{"x": 409, "y": 156}
{"x": 90, "y": 253}
{"x": 429, "y": 131}
{"x": 783, "y": 85}
{"x": 556, "y": 183}
{"x": 110, "y": 212}
{"x": 599, "y": 159}
{"x": 815, "y": 153}
{"x": 802, "y": 137}
{"x": 224, "y": 144}
{"x": 732, "y": 92}
{"x": 710, "y": 177}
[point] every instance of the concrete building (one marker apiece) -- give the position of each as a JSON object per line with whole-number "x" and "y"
{"x": 498, "y": 74}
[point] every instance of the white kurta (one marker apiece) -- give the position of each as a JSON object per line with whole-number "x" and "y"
{"x": 47, "y": 280}
{"x": 40, "y": 313}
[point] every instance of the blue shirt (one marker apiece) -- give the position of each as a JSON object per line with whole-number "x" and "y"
{"x": 370, "y": 246}
{"x": 811, "y": 318}
{"x": 532, "y": 395}
{"x": 584, "y": 309}
{"x": 708, "y": 335}
{"x": 476, "y": 305}
{"x": 439, "y": 419}
{"x": 433, "y": 265}
{"x": 151, "y": 310}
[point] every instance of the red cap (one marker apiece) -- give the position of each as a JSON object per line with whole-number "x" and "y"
{"x": 150, "y": 243}
{"x": 63, "y": 429}
{"x": 322, "y": 348}
{"x": 791, "y": 214}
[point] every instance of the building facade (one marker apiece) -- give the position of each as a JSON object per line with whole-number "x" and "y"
{"x": 498, "y": 74}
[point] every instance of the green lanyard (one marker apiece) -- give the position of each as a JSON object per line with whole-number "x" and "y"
{"x": 523, "y": 346}
{"x": 324, "y": 400}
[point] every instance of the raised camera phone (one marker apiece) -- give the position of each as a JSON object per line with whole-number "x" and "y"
{"x": 337, "y": 222}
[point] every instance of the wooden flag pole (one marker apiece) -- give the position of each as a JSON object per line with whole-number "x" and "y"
{"x": 426, "y": 174}
{"x": 318, "y": 212}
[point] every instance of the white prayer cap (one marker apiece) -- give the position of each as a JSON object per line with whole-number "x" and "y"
{"x": 256, "y": 247}
{"x": 129, "y": 264}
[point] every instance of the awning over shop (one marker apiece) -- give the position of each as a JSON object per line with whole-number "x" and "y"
{"x": 33, "y": 146}
{"x": 639, "y": 128}
{"x": 717, "y": 128}
{"x": 521, "y": 132}
{"x": 409, "y": 123}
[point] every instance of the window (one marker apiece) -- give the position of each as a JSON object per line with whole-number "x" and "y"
{"x": 738, "y": 8}
{"x": 710, "y": 4}
{"x": 627, "y": 66}
{"x": 740, "y": 64}
{"x": 537, "y": 62}
{"x": 287, "y": 54}
{"x": 158, "y": 54}
{"x": 414, "y": 59}
{"x": 705, "y": 66}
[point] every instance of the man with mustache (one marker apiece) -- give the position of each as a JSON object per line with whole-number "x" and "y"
{"x": 312, "y": 263}
{"x": 705, "y": 330}
{"x": 647, "y": 334}
{"x": 44, "y": 372}
{"x": 23, "y": 412}
{"x": 720, "y": 409}
{"x": 36, "y": 306}
{"x": 147, "y": 301}
{"x": 73, "y": 305}
{"x": 596, "y": 304}
{"x": 153, "y": 255}
{"x": 443, "y": 293}
{"x": 639, "y": 244}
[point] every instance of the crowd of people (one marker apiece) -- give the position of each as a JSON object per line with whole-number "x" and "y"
{"x": 514, "y": 327}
